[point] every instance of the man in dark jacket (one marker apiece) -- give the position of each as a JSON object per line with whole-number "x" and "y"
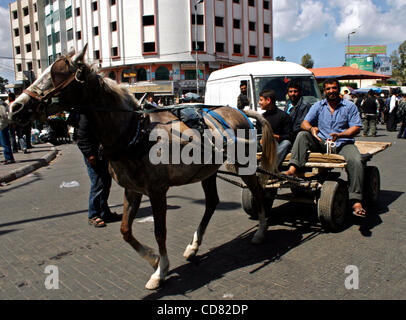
{"x": 296, "y": 107}
{"x": 369, "y": 108}
{"x": 243, "y": 100}
{"x": 97, "y": 169}
{"x": 279, "y": 121}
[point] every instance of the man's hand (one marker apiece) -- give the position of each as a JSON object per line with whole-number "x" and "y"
{"x": 314, "y": 131}
{"x": 92, "y": 160}
{"x": 335, "y": 136}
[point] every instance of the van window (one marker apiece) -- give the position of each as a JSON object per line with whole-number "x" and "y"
{"x": 311, "y": 91}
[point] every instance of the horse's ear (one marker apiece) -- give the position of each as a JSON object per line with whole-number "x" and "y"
{"x": 80, "y": 57}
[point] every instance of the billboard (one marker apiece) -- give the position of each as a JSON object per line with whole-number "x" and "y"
{"x": 383, "y": 65}
{"x": 362, "y": 63}
{"x": 366, "y": 50}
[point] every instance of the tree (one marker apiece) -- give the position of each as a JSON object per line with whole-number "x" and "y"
{"x": 399, "y": 63}
{"x": 280, "y": 58}
{"x": 3, "y": 83}
{"x": 307, "y": 61}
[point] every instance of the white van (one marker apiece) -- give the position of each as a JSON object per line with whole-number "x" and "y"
{"x": 223, "y": 86}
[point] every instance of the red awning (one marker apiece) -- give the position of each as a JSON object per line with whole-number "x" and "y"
{"x": 346, "y": 73}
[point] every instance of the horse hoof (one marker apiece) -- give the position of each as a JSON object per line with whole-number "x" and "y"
{"x": 190, "y": 252}
{"x": 153, "y": 284}
{"x": 258, "y": 239}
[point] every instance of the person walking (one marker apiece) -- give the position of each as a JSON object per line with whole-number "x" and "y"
{"x": 401, "y": 114}
{"x": 4, "y": 135}
{"x": 391, "y": 124}
{"x": 369, "y": 109}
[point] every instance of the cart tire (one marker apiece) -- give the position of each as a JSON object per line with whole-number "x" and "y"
{"x": 332, "y": 206}
{"x": 372, "y": 185}
{"x": 249, "y": 205}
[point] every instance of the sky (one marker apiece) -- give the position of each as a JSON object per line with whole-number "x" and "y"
{"x": 317, "y": 27}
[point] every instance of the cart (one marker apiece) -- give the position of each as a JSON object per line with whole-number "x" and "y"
{"x": 321, "y": 184}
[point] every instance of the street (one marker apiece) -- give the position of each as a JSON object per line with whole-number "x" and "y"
{"x": 43, "y": 223}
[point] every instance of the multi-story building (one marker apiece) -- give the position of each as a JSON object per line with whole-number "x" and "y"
{"x": 151, "y": 45}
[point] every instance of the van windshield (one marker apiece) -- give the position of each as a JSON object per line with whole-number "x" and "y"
{"x": 311, "y": 92}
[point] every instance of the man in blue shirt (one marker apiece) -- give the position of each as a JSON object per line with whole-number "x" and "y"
{"x": 337, "y": 121}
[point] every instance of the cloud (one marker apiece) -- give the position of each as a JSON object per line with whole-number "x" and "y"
{"x": 295, "y": 20}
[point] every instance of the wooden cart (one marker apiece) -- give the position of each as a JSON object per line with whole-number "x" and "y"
{"x": 321, "y": 185}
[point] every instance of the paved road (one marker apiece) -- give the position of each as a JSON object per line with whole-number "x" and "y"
{"x": 44, "y": 225}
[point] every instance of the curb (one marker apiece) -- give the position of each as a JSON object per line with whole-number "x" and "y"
{"x": 27, "y": 169}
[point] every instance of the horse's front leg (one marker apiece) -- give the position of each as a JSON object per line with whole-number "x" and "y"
{"x": 212, "y": 200}
{"x": 132, "y": 201}
{"x": 159, "y": 207}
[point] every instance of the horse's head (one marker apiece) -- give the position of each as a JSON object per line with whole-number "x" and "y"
{"x": 53, "y": 82}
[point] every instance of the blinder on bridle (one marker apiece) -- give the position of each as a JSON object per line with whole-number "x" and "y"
{"x": 63, "y": 73}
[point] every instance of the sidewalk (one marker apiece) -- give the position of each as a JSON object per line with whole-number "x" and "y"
{"x": 40, "y": 155}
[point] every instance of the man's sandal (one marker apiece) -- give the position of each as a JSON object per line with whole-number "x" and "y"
{"x": 97, "y": 222}
{"x": 360, "y": 213}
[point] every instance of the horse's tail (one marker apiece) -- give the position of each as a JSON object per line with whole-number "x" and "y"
{"x": 269, "y": 156}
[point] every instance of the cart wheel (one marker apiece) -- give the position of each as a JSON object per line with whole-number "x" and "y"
{"x": 332, "y": 205}
{"x": 372, "y": 185}
{"x": 249, "y": 205}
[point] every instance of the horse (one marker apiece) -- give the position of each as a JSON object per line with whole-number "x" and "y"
{"x": 121, "y": 127}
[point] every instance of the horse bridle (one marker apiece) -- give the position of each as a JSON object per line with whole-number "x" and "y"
{"x": 43, "y": 97}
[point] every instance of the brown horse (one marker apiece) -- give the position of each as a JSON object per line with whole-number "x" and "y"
{"x": 123, "y": 131}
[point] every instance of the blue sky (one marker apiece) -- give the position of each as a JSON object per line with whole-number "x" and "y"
{"x": 317, "y": 27}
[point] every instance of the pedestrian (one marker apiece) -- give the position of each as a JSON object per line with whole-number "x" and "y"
{"x": 346, "y": 95}
{"x": 280, "y": 122}
{"x": 18, "y": 131}
{"x": 401, "y": 114}
{"x": 369, "y": 109}
{"x": 393, "y": 104}
{"x": 100, "y": 180}
{"x": 242, "y": 100}
{"x": 332, "y": 120}
{"x": 4, "y": 135}
{"x": 150, "y": 101}
{"x": 296, "y": 107}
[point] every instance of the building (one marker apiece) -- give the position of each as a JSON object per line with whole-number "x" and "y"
{"x": 148, "y": 44}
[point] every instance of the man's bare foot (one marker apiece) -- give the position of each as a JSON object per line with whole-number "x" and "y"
{"x": 291, "y": 172}
{"x": 358, "y": 210}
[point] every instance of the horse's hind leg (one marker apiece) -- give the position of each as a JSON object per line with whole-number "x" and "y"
{"x": 159, "y": 206}
{"x": 212, "y": 200}
{"x": 259, "y": 196}
{"x": 132, "y": 201}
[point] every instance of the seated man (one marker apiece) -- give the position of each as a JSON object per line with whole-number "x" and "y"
{"x": 296, "y": 107}
{"x": 335, "y": 120}
{"x": 279, "y": 121}
{"x": 243, "y": 100}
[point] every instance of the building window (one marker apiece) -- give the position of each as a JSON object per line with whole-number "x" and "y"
{"x": 112, "y": 75}
{"x": 97, "y": 54}
{"x": 112, "y": 2}
{"x": 16, "y": 32}
{"x": 114, "y": 52}
{"x": 200, "y": 46}
{"x": 266, "y": 28}
{"x": 69, "y": 34}
{"x": 251, "y": 3}
{"x": 149, "y": 46}
{"x": 79, "y": 35}
{"x": 219, "y": 22}
{"x": 94, "y": 6}
{"x": 37, "y": 44}
{"x": 200, "y": 19}
{"x": 15, "y": 15}
{"x": 29, "y": 65}
{"x": 162, "y": 73}
{"x": 267, "y": 52}
{"x": 36, "y": 26}
{"x": 237, "y": 48}
{"x": 236, "y": 24}
{"x": 68, "y": 12}
{"x": 236, "y": 1}
{"x": 113, "y": 26}
{"x": 266, "y": 4}
{"x": 219, "y": 47}
{"x": 49, "y": 40}
{"x": 252, "y": 26}
{"x": 190, "y": 74}
{"x": 50, "y": 60}
{"x": 57, "y": 37}
{"x": 27, "y": 29}
{"x": 25, "y": 11}
{"x": 141, "y": 74}
{"x": 148, "y": 20}
{"x": 77, "y": 12}
{"x": 19, "y": 67}
{"x": 35, "y": 7}
{"x": 28, "y": 47}
{"x": 18, "y": 50}
{"x": 253, "y": 50}
{"x": 39, "y": 64}
{"x": 95, "y": 31}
